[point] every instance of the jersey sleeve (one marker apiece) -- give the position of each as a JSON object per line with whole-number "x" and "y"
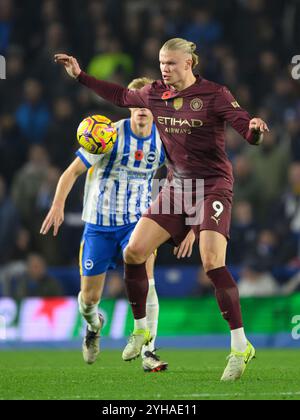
{"x": 228, "y": 109}
{"x": 116, "y": 94}
{"x": 87, "y": 158}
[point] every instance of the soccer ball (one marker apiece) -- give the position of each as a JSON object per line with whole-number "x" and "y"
{"x": 96, "y": 134}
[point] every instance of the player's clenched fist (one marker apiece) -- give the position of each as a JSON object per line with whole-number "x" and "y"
{"x": 257, "y": 128}
{"x": 70, "y": 63}
{"x": 258, "y": 124}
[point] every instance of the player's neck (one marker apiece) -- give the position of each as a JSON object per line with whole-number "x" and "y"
{"x": 141, "y": 131}
{"x": 184, "y": 84}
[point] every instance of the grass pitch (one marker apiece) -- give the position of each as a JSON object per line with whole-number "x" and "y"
{"x": 192, "y": 375}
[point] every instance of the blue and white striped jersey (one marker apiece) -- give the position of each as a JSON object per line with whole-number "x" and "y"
{"x": 118, "y": 184}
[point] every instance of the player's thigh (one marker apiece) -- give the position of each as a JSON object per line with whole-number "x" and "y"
{"x": 98, "y": 252}
{"x": 150, "y": 265}
{"x": 92, "y": 288}
{"x": 145, "y": 239}
{"x": 212, "y": 247}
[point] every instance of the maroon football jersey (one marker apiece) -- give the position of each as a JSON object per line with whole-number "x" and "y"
{"x": 191, "y": 124}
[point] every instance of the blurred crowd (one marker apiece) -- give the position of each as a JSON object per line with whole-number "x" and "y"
{"x": 246, "y": 45}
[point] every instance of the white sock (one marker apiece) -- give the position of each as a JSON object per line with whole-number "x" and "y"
{"x": 89, "y": 313}
{"x": 238, "y": 340}
{"x": 140, "y": 324}
{"x": 152, "y": 311}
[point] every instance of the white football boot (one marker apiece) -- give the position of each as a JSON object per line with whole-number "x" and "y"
{"x": 237, "y": 363}
{"x": 152, "y": 363}
{"x": 91, "y": 343}
{"x": 137, "y": 340}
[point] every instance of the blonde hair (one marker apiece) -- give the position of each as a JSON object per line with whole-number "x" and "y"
{"x": 139, "y": 83}
{"x": 183, "y": 45}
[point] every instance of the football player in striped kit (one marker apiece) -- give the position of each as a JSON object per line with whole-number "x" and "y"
{"x": 117, "y": 192}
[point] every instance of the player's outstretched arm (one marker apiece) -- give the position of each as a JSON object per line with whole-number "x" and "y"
{"x": 185, "y": 249}
{"x": 55, "y": 216}
{"x": 116, "y": 94}
{"x": 229, "y": 110}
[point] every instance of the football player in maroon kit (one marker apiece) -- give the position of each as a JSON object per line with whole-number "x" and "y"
{"x": 190, "y": 114}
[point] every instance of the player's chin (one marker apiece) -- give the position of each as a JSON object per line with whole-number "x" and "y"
{"x": 167, "y": 80}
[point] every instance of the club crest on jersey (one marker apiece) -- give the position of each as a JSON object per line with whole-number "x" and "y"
{"x": 139, "y": 154}
{"x": 151, "y": 157}
{"x": 196, "y": 104}
{"x": 177, "y": 103}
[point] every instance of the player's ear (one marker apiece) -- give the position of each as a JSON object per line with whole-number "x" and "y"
{"x": 188, "y": 64}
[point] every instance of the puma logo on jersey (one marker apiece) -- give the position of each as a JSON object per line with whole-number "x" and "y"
{"x": 216, "y": 220}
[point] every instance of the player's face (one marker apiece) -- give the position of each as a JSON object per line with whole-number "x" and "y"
{"x": 174, "y": 66}
{"x": 141, "y": 116}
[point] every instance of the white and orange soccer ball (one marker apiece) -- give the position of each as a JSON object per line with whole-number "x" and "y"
{"x": 97, "y": 134}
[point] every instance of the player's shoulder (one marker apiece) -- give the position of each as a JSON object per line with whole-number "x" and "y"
{"x": 157, "y": 86}
{"x": 120, "y": 123}
{"x": 211, "y": 86}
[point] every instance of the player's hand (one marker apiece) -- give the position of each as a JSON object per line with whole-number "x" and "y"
{"x": 54, "y": 218}
{"x": 257, "y": 124}
{"x": 70, "y": 63}
{"x": 185, "y": 249}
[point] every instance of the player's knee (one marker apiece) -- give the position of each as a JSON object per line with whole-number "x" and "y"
{"x": 90, "y": 297}
{"x": 211, "y": 261}
{"x": 135, "y": 254}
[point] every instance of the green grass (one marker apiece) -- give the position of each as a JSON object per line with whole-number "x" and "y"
{"x": 192, "y": 375}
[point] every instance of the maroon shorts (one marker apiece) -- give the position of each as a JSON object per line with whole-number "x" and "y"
{"x": 213, "y": 213}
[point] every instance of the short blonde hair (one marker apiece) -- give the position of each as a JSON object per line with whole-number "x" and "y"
{"x": 183, "y": 45}
{"x": 139, "y": 83}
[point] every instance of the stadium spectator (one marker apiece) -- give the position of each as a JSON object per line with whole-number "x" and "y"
{"x": 114, "y": 286}
{"x": 287, "y": 210}
{"x": 12, "y": 148}
{"x": 13, "y": 86}
{"x": 6, "y": 24}
{"x": 8, "y": 223}
{"x": 33, "y": 115}
{"x": 204, "y": 285}
{"x": 246, "y": 186}
{"x": 22, "y": 245}
{"x": 30, "y": 279}
{"x": 256, "y": 280}
{"x": 283, "y": 97}
{"x": 269, "y": 250}
{"x": 107, "y": 65}
{"x": 292, "y": 124}
{"x": 50, "y": 249}
{"x": 202, "y": 28}
{"x": 61, "y": 136}
{"x": 243, "y": 233}
{"x": 27, "y": 181}
{"x": 270, "y": 165}
{"x": 234, "y": 143}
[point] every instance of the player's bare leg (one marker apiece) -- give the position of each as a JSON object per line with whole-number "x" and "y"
{"x": 145, "y": 239}
{"x": 151, "y": 361}
{"x": 213, "y": 254}
{"x": 88, "y": 301}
